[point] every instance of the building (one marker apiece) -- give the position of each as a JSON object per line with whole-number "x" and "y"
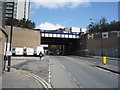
{"x": 3, "y": 35}
{"x": 21, "y": 8}
{"x": 23, "y": 37}
{"x": 2, "y": 14}
{"x": 108, "y": 45}
{"x": 9, "y": 10}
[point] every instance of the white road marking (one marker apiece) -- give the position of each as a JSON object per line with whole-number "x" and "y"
{"x": 63, "y": 66}
{"x": 75, "y": 80}
{"x": 49, "y": 76}
{"x": 42, "y": 81}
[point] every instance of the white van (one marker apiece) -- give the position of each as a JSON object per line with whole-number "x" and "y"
{"x": 29, "y": 51}
{"x": 18, "y": 51}
{"x": 38, "y": 49}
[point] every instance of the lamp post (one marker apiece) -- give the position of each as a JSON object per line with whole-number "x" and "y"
{"x": 10, "y": 48}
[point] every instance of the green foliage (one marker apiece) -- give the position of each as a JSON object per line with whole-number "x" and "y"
{"x": 103, "y": 26}
{"x": 23, "y": 23}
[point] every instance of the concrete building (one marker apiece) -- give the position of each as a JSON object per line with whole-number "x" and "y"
{"x": 21, "y": 8}
{"x": 2, "y": 14}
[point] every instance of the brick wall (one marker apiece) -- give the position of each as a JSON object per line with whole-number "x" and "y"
{"x": 109, "y": 46}
{"x": 23, "y": 37}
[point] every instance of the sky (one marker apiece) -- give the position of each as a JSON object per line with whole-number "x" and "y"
{"x": 53, "y": 15}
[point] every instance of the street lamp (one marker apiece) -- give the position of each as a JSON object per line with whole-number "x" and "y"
{"x": 11, "y": 30}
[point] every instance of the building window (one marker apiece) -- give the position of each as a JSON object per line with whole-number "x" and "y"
{"x": 105, "y": 35}
{"x": 10, "y": 4}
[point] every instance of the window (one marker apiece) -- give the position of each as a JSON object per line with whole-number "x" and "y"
{"x": 50, "y": 35}
{"x": 63, "y": 36}
{"x": 54, "y": 35}
{"x": 70, "y": 36}
{"x": 42, "y": 34}
{"x": 58, "y": 35}
{"x": 105, "y": 35}
{"x": 66, "y": 36}
{"x": 46, "y": 34}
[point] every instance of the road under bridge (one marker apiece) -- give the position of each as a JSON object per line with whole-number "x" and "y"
{"x": 70, "y": 41}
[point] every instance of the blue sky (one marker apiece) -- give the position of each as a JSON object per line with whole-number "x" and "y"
{"x": 72, "y": 15}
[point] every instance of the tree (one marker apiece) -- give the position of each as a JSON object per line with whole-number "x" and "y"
{"x": 23, "y": 23}
{"x": 104, "y": 26}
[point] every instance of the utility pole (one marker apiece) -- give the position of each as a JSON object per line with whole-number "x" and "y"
{"x": 10, "y": 46}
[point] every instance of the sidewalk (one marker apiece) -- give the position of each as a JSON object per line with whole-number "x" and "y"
{"x": 111, "y": 58}
{"x": 112, "y": 63}
{"x": 109, "y": 67}
{"x": 17, "y": 79}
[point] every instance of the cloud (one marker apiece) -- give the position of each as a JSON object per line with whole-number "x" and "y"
{"x": 54, "y": 4}
{"x": 49, "y": 26}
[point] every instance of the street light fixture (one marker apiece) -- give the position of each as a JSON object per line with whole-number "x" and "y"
{"x": 11, "y": 30}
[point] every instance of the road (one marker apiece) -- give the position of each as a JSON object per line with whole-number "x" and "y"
{"x": 71, "y": 72}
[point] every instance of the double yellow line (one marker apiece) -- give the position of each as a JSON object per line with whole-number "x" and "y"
{"x": 43, "y": 82}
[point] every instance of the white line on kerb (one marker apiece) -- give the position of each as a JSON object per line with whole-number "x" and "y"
{"x": 63, "y": 66}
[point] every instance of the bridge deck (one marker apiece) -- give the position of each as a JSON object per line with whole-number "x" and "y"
{"x": 60, "y": 34}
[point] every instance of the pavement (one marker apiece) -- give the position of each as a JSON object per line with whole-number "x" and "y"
{"x": 111, "y": 65}
{"x": 17, "y": 79}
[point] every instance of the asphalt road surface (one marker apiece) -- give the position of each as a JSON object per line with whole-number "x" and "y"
{"x": 70, "y": 72}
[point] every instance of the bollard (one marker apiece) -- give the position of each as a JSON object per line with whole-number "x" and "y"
{"x": 104, "y": 60}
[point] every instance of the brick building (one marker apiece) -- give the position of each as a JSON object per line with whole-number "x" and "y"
{"x": 23, "y": 37}
{"x": 108, "y": 45}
